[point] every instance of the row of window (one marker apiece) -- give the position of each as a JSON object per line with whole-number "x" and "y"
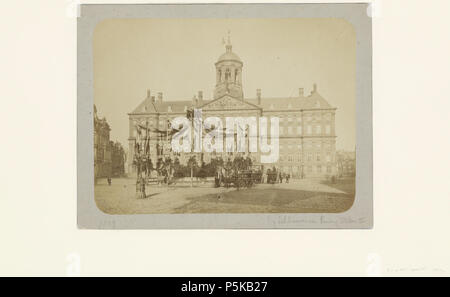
{"x": 307, "y": 118}
{"x": 310, "y": 130}
{"x": 163, "y": 121}
{"x": 309, "y": 157}
{"x": 306, "y": 146}
{"x": 289, "y": 131}
{"x": 308, "y": 169}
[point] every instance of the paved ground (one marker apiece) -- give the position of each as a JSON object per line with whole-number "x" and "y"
{"x": 297, "y": 196}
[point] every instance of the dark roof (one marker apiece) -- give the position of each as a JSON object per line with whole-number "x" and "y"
{"x": 314, "y": 101}
{"x": 147, "y": 106}
{"x": 229, "y": 56}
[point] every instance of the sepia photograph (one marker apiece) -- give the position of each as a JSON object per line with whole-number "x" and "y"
{"x": 224, "y": 115}
{"x": 225, "y": 149}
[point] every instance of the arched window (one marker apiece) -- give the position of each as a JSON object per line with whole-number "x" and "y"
{"x": 236, "y": 73}
{"x": 227, "y": 74}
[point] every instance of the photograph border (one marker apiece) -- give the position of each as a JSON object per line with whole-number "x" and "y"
{"x": 359, "y": 216}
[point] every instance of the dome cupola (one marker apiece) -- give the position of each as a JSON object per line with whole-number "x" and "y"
{"x": 229, "y": 74}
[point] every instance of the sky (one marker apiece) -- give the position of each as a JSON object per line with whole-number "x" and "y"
{"x": 177, "y": 56}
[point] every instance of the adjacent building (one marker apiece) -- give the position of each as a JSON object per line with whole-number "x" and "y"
{"x": 102, "y": 147}
{"x": 109, "y": 157}
{"x": 307, "y": 121}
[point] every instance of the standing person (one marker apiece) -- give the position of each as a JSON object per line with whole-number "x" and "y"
{"x": 109, "y": 180}
{"x": 138, "y": 188}
{"x": 217, "y": 179}
{"x": 280, "y": 176}
{"x": 142, "y": 185}
{"x": 288, "y": 176}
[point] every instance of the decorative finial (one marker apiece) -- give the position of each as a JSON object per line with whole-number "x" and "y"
{"x": 229, "y": 46}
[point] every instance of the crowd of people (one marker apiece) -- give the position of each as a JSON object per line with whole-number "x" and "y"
{"x": 168, "y": 171}
{"x": 274, "y": 176}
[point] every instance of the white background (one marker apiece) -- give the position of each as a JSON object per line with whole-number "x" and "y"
{"x": 411, "y": 152}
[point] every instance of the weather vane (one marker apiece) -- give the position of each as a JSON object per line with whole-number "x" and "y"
{"x": 229, "y": 39}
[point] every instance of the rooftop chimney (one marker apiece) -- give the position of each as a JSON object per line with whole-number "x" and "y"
{"x": 258, "y": 95}
{"x": 194, "y": 100}
{"x": 200, "y": 97}
{"x": 160, "y": 97}
{"x": 301, "y": 92}
{"x": 314, "y": 88}
{"x": 148, "y": 93}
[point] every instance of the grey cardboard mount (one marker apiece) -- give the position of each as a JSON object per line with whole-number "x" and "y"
{"x": 359, "y": 216}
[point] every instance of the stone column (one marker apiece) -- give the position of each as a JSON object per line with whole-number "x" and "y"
{"x": 222, "y": 79}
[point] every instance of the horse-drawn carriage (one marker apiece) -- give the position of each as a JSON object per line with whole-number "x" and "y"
{"x": 239, "y": 178}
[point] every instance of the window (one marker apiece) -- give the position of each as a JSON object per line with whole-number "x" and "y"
{"x": 319, "y": 130}
{"x": 227, "y": 74}
{"x": 299, "y": 130}
{"x": 309, "y": 129}
{"x": 328, "y": 157}
{"x": 318, "y": 158}
{"x": 289, "y": 130}
{"x": 328, "y": 169}
{"x": 319, "y": 168}
{"x": 328, "y": 129}
{"x": 281, "y": 130}
{"x": 310, "y": 157}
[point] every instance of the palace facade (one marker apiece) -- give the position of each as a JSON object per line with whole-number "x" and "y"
{"x": 307, "y": 122}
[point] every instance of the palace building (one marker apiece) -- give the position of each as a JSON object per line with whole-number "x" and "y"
{"x": 307, "y": 143}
